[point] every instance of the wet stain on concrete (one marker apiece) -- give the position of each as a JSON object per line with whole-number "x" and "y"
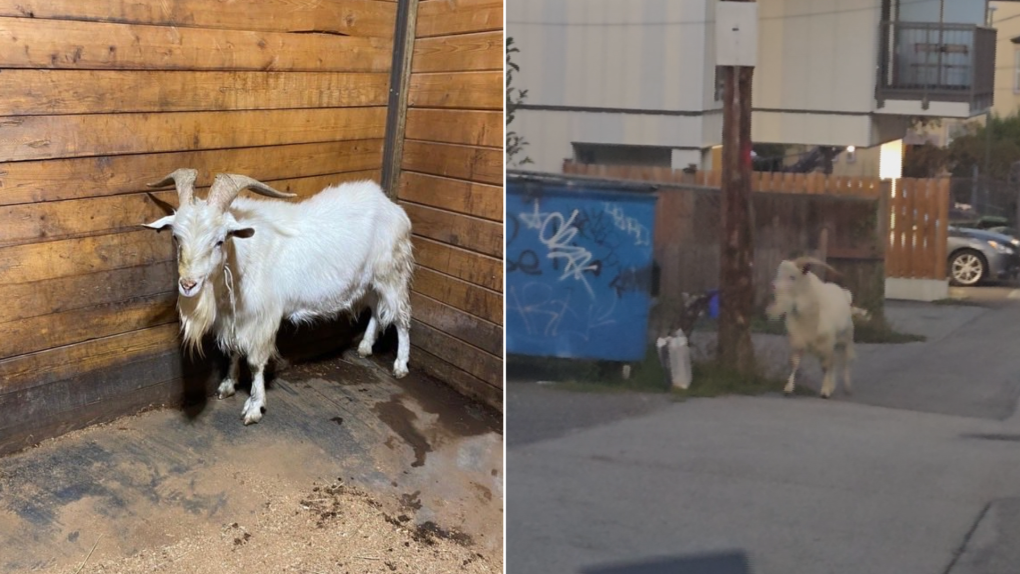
{"x": 400, "y": 419}
{"x": 411, "y": 501}
{"x": 483, "y": 491}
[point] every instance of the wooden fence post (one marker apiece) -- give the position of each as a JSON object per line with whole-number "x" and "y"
{"x": 942, "y": 232}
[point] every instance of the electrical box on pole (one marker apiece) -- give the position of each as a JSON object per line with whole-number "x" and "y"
{"x": 736, "y": 34}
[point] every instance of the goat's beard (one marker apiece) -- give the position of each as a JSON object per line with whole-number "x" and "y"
{"x": 198, "y": 315}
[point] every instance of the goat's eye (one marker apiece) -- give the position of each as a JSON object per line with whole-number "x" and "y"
{"x": 218, "y": 243}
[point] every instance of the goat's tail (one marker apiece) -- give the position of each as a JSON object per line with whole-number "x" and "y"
{"x": 862, "y": 313}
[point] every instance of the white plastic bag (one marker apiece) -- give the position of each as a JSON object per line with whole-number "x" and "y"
{"x": 675, "y": 356}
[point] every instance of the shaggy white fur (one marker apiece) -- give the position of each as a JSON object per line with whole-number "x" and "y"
{"x": 819, "y": 319}
{"x": 246, "y": 264}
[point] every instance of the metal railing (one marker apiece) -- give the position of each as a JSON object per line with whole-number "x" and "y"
{"x": 936, "y": 62}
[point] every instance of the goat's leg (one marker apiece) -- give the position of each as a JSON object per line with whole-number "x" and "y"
{"x": 394, "y": 307}
{"x": 795, "y": 363}
{"x": 403, "y": 347}
{"x": 252, "y": 412}
{"x": 848, "y": 355}
{"x": 829, "y": 378}
{"x": 371, "y": 332}
{"x": 226, "y": 388}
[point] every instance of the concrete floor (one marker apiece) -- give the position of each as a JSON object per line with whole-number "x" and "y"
{"x": 143, "y": 482}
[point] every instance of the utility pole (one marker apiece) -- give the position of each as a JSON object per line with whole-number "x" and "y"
{"x": 736, "y": 34}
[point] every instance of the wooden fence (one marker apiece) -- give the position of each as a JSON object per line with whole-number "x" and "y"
{"x": 807, "y": 183}
{"x": 918, "y": 229}
{"x": 917, "y": 218}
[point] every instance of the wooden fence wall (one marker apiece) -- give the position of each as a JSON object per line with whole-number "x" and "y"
{"x": 806, "y": 183}
{"x": 918, "y": 216}
{"x": 786, "y": 224}
{"x": 451, "y": 186}
{"x": 100, "y": 97}
{"x": 687, "y": 232}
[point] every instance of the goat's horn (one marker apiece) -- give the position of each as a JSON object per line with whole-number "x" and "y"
{"x": 184, "y": 179}
{"x": 803, "y": 263}
{"x": 226, "y": 186}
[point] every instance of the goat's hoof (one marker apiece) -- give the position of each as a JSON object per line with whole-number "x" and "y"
{"x": 824, "y": 395}
{"x": 400, "y": 371}
{"x": 364, "y": 350}
{"x": 225, "y": 390}
{"x": 252, "y": 412}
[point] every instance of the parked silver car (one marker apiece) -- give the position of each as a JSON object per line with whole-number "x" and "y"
{"x": 980, "y": 254}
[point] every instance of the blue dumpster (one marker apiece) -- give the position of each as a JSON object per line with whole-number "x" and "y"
{"x": 579, "y": 267}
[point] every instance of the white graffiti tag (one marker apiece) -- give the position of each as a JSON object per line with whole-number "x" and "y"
{"x": 557, "y": 233}
{"x": 628, "y": 224}
{"x": 543, "y": 313}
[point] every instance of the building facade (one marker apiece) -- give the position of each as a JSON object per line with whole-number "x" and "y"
{"x": 635, "y": 82}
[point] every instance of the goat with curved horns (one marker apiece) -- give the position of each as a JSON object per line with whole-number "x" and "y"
{"x": 819, "y": 319}
{"x": 349, "y": 245}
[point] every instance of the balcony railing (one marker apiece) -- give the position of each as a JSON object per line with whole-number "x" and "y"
{"x": 936, "y": 62}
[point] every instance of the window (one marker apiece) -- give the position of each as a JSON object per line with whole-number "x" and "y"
{"x": 1016, "y": 70}
{"x": 720, "y": 83}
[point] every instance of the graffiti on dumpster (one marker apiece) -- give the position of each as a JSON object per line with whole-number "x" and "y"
{"x": 543, "y": 312}
{"x": 579, "y": 271}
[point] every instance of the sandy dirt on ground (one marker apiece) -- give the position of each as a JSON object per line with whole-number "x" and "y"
{"x": 330, "y": 528}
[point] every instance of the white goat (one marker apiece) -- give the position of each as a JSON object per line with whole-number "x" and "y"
{"x": 348, "y": 245}
{"x": 819, "y": 319}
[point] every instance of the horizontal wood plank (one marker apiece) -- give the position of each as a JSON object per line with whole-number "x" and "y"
{"x": 464, "y": 382}
{"x": 473, "y": 299}
{"x": 44, "y": 92}
{"x": 48, "y": 331}
{"x": 98, "y": 397}
{"x": 464, "y": 231}
{"x": 41, "y": 261}
{"x": 55, "y": 180}
{"x": 470, "y": 127}
{"x": 462, "y": 90}
{"x": 463, "y": 264}
{"x": 483, "y": 165}
{"x": 446, "y": 17}
{"x": 476, "y": 199}
{"x": 97, "y": 355}
{"x": 26, "y": 300}
{"x": 482, "y": 51}
{"x": 349, "y": 17}
{"x": 468, "y": 328}
{"x": 56, "y": 220}
{"x": 46, "y": 137}
{"x": 471, "y": 359}
{"x": 61, "y": 44}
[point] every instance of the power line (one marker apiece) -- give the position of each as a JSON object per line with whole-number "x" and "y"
{"x": 699, "y": 22}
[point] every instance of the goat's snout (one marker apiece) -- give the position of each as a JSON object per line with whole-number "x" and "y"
{"x": 187, "y": 285}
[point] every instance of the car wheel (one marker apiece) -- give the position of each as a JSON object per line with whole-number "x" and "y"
{"x": 967, "y": 268}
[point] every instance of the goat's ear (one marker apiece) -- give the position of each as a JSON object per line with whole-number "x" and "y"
{"x": 242, "y": 233}
{"x": 161, "y": 223}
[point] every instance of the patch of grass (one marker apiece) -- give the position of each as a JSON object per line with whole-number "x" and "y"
{"x": 710, "y": 379}
{"x": 879, "y": 332}
{"x": 648, "y": 376}
{"x": 591, "y": 376}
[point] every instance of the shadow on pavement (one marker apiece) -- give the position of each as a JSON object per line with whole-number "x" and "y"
{"x": 731, "y": 562}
